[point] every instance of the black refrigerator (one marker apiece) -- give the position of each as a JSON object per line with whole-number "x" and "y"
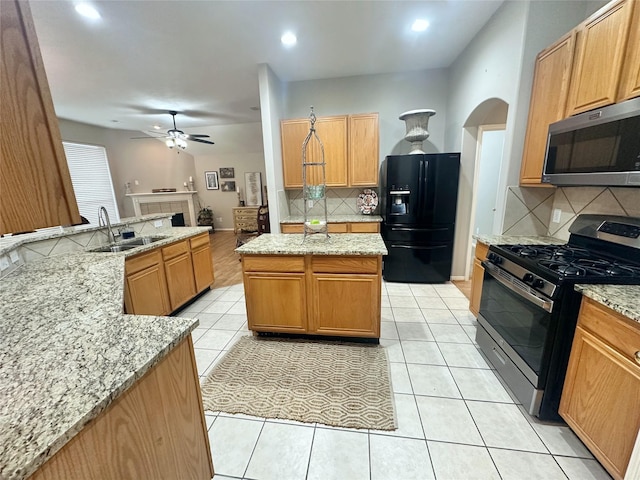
{"x": 418, "y": 200}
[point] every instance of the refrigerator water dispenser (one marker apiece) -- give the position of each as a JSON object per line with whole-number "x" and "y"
{"x": 399, "y": 202}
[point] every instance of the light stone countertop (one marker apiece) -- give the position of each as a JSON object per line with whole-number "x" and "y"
{"x": 620, "y": 298}
{"x": 317, "y": 244}
{"x": 68, "y": 351}
{"x": 518, "y": 240}
{"x": 355, "y": 218}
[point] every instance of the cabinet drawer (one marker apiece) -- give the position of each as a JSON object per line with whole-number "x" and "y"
{"x": 365, "y": 227}
{"x": 142, "y": 261}
{"x": 338, "y": 227}
{"x": 199, "y": 241}
{"x": 247, "y": 218}
{"x": 280, "y": 263}
{"x": 175, "y": 249}
{"x": 340, "y": 264}
{"x": 291, "y": 228}
{"x": 248, "y": 212}
{"x": 616, "y": 330}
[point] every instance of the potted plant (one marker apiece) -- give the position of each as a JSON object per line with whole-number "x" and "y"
{"x": 205, "y": 217}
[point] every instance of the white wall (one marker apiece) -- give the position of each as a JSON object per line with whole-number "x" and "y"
{"x": 271, "y": 106}
{"x": 149, "y": 161}
{"x": 237, "y": 146}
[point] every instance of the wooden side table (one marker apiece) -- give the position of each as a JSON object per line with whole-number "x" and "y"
{"x": 245, "y": 219}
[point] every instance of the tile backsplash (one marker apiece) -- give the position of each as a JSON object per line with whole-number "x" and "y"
{"x": 340, "y": 201}
{"x": 529, "y": 210}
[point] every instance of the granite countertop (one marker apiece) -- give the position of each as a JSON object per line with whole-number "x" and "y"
{"x": 355, "y": 218}
{"x": 317, "y": 244}
{"x": 620, "y": 298}
{"x": 10, "y": 242}
{"x": 68, "y": 351}
{"x": 518, "y": 240}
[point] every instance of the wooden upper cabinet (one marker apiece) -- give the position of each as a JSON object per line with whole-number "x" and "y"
{"x": 364, "y": 148}
{"x": 547, "y": 105}
{"x": 630, "y": 80}
{"x": 600, "y": 52}
{"x": 332, "y": 131}
{"x": 35, "y": 185}
{"x": 293, "y": 133}
{"x": 350, "y": 150}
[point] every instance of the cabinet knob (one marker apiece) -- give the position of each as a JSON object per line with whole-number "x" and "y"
{"x": 638, "y": 356}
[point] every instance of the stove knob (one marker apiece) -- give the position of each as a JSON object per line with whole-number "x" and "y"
{"x": 528, "y": 278}
{"x": 537, "y": 283}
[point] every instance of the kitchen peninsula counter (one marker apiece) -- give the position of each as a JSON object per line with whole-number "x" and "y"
{"x": 319, "y": 286}
{"x": 69, "y": 355}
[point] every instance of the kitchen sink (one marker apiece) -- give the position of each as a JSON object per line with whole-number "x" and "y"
{"x": 128, "y": 245}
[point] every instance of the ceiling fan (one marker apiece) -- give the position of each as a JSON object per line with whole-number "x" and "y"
{"x": 177, "y": 138}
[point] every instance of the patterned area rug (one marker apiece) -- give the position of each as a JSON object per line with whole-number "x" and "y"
{"x": 338, "y": 384}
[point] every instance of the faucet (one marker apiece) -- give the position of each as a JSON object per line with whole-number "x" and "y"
{"x": 103, "y": 221}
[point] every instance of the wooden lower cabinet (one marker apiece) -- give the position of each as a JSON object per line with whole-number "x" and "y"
{"x": 276, "y": 302}
{"x": 156, "y": 429}
{"x": 320, "y": 295}
{"x": 345, "y": 305}
{"x": 477, "y": 277}
{"x": 162, "y": 280}
{"x": 146, "y": 285}
{"x": 342, "y": 227}
{"x": 601, "y": 392}
{"x": 202, "y": 262}
{"x": 178, "y": 270}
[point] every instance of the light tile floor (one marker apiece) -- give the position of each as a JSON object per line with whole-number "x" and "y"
{"x": 455, "y": 419}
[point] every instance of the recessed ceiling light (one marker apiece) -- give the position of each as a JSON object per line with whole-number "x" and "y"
{"x": 157, "y": 127}
{"x": 420, "y": 25}
{"x": 87, "y": 11}
{"x": 288, "y": 39}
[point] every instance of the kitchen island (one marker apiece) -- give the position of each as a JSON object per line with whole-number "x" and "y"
{"x": 319, "y": 286}
{"x": 87, "y": 391}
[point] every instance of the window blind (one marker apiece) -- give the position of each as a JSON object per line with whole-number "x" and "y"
{"x": 91, "y": 179}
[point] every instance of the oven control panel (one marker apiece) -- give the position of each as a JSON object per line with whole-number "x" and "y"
{"x": 521, "y": 273}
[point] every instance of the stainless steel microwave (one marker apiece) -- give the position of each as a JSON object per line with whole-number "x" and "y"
{"x": 599, "y": 147}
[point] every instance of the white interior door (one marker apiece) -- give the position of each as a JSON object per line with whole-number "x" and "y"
{"x": 489, "y": 161}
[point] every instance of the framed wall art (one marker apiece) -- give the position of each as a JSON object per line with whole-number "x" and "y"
{"x": 253, "y": 185}
{"x": 227, "y": 172}
{"x": 211, "y": 180}
{"x": 228, "y": 186}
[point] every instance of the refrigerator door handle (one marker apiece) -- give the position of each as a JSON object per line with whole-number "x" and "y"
{"x": 415, "y": 247}
{"x": 409, "y": 229}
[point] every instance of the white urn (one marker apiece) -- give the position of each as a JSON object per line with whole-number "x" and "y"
{"x": 417, "y": 122}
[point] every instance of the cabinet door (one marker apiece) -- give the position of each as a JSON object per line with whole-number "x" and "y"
{"x": 600, "y": 49}
{"x": 600, "y": 401}
{"x": 35, "y": 185}
{"x": 346, "y": 305}
{"x": 276, "y": 302}
{"x": 202, "y": 268}
{"x": 293, "y": 133}
{"x": 180, "y": 282}
{"x": 363, "y": 150}
{"x": 146, "y": 292}
{"x": 547, "y": 105}
{"x": 630, "y": 80}
{"x": 364, "y": 227}
{"x": 477, "y": 277}
{"x": 333, "y": 134}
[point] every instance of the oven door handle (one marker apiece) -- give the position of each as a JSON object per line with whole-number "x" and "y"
{"x": 497, "y": 273}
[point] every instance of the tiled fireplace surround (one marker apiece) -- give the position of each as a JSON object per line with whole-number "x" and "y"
{"x": 528, "y": 209}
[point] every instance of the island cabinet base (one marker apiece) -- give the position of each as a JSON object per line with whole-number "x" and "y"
{"x": 156, "y": 429}
{"x": 313, "y": 295}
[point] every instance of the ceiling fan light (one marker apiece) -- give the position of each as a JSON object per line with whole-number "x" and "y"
{"x": 170, "y": 142}
{"x": 181, "y": 143}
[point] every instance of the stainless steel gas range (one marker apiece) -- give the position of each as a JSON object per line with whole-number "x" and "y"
{"x": 529, "y": 308}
